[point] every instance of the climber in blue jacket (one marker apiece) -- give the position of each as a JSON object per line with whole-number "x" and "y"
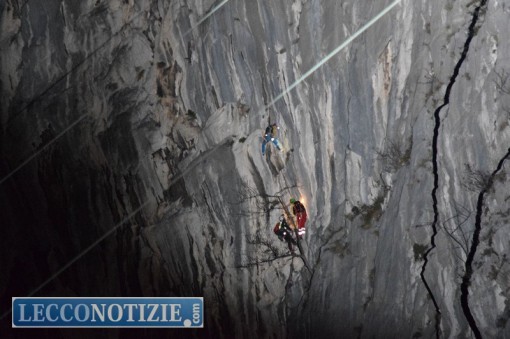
{"x": 270, "y": 136}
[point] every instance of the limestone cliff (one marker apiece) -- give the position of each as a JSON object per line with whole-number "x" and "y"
{"x": 131, "y": 162}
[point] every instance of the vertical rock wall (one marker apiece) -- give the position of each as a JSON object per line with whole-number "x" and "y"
{"x": 146, "y": 124}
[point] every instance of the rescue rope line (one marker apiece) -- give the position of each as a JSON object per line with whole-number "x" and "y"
{"x": 81, "y": 254}
{"x": 215, "y": 9}
{"x": 76, "y": 122}
{"x": 334, "y": 52}
{"x": 49, "y": 88}
{"x": 132, "y": 214}
{"x": 73, "y": 69}
{"x": 192, "y": 165}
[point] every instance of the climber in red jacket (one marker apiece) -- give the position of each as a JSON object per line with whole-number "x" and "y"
{"x": 300, "y": 212}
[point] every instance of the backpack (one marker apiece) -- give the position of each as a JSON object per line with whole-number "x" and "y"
{"x": 276, "y": 228}
{"x": 268, "y": 130}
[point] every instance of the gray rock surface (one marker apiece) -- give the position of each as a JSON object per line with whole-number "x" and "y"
{"x": 144, "y": 123}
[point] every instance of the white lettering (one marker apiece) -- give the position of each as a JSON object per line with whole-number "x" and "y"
{"x": 98, "y": 312}
{"x": 48, "y": 312}
{"x": 174, "y": 311}
{"x": 77, "y": 312}
{"x": 142, "y": 312}
{"x": 163, "y": 312}
{"x": 130, "y": 311}
{"x": 22, "y": 313}
{"x": 63, "y": 313}
{"x": 119, "y": 312}
{"x": 80, "y": 311}
{"x": 38, "y": 311}
{"x": 153, "y": 312}
{"x": 196, "y": 313}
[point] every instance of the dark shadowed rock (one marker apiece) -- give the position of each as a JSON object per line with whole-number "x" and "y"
{"x": 139, "y": 124}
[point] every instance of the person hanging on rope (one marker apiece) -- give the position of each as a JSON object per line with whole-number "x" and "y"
{"x": 300, "y": 212}
{"x": 284, "y": 232}
{"x": 270, "y": 135}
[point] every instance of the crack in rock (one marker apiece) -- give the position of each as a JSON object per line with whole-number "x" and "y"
{"x": 437, "y": 119}
{"x": 466, "y": 279}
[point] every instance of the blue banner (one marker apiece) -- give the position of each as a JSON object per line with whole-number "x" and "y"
{"x": 107, "y": 312}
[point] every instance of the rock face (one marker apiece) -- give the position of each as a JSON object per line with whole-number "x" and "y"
{"x": 142, "y": 128}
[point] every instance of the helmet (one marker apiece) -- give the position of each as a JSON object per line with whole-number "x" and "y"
{"x": 292, "y": 200}
{"x": 282, "y": 217}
